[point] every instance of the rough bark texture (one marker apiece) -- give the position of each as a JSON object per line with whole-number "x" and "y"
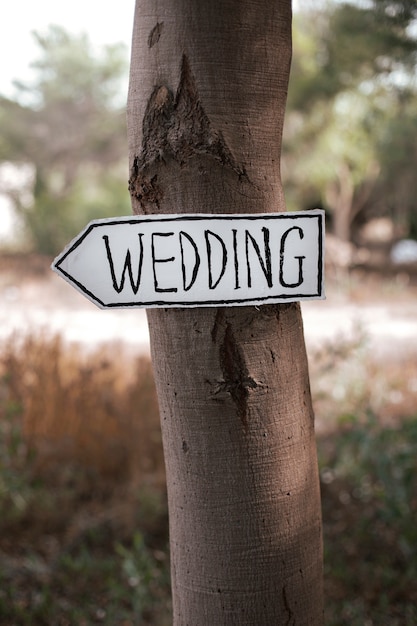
{"x": 205, "y": 113}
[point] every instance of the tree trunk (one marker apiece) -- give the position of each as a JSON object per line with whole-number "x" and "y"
{"x": 205, "y": 112}
{"x": 339, "y": 195}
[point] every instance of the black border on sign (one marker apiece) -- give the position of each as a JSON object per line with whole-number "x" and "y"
{"x": 196, "y": 217}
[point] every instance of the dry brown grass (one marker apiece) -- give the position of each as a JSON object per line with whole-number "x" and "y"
{"x": 98, "y": 409}
{"x": 82, "y": 472}
{"x": 83, "y": 530}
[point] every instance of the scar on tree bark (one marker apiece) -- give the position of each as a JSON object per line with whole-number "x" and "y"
{"x": 175, "y": 126}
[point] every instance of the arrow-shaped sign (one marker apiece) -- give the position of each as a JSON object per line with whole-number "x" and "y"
{"x": 197, "y": 260}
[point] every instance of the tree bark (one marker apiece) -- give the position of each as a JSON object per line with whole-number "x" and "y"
{"x": 205, "y": 113}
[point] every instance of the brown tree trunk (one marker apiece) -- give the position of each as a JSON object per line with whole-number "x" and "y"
{"x": 339, "y": 195}
{"x": 347, "y": 201}
{"x": 205, "y": 113}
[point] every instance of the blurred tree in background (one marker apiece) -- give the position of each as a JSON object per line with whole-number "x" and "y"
{"x": 67, "y": 129}
{"x": 350, "y": 133}
{"x": 352, "y": 115}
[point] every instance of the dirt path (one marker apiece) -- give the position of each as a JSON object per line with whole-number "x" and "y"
{"x": 34, "y": 299}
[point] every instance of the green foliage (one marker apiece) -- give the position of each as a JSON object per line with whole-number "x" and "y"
{"x": 68, "y": 125}
{"x": 397, "y": 151}
{"x": 348, "y": 130}
{"x": 68, "y": 70}
{"x": 142, "y": 573}
{"x": 83, "y": 530}
{"x": 97, "y": 192}
{"x": 370, "y": 505}
{"x": 364, "y": 40}
{"x": 87, "y": 585}
{"x": 15, "y": 460}
{"x": 348, "y": 142}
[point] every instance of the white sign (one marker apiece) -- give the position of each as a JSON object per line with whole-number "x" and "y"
{"x": 197, "y": 260}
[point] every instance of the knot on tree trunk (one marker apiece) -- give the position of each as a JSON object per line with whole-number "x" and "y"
{"x": 175, "y": 126}
{"x": 236, "y": 378}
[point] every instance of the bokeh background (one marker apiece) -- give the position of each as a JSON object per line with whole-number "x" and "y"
{"x": 83, "y": 524}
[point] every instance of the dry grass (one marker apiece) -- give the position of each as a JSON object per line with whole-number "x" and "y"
{"x": 83, "y": 531}
{"x": 87, "y": 408}
{"x": 83, "y": 534}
